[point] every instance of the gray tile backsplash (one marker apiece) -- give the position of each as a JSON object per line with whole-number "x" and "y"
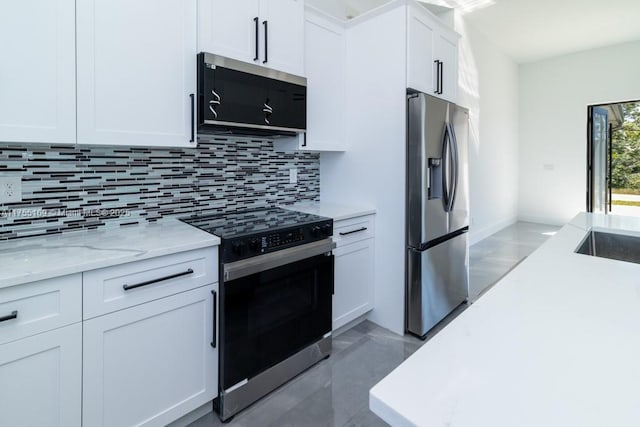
{"x": 67, "y": 188}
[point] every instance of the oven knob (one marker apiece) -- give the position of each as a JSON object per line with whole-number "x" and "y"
{"x": 326, "y": 229}
{"x": 315, "y": 231}
{"x": 239, "y": 248}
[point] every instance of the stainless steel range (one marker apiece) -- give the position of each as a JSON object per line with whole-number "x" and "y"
{"x": 276, "y": 286}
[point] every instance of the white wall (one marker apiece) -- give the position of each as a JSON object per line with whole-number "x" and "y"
{"x": 554, "y": 95}
{"x": 488, "y": 87}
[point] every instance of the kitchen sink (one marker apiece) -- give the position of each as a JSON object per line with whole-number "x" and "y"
{"x": 621, "y": 247}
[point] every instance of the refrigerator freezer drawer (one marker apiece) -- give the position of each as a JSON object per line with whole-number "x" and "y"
{"x": 438, "y": 281}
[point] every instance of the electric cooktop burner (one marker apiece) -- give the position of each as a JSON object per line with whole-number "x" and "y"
{"x": 247, "y": 223}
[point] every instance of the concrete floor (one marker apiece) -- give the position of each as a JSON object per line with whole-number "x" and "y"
{"x": 335, "y": 391}
{"x": 495, "y": 256}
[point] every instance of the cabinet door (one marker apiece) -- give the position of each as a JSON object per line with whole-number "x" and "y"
{"x": 150, "y": 364}
{"x": 447, "y": 52}
{"x": 37, "y": 76}
{"x": 282, "y": 42}
{"x": 420, "y": 66}
{"x": 325, "y": 67}
{"x": 41, "y": 379}
{"x": 136, "y": 67}
{"x": 353, "y": 295}
{"x": 230, "y": 28}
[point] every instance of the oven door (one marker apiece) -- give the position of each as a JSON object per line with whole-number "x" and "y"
{"x": 273, "y": 306}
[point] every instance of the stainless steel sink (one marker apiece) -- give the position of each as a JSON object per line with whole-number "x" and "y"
{"x": 621, "y": 247}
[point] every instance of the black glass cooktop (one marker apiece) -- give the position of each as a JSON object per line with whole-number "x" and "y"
{"x": 247, "y": 223}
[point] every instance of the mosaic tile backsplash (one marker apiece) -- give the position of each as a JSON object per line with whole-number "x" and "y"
{"x": 66, "y": 188}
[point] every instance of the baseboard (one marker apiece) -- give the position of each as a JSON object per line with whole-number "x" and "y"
{"x": 192, "y": 416}
{"x": 349, "y": 324}
{"x": 541, "y": 220}
{"x": 477, "y": 235}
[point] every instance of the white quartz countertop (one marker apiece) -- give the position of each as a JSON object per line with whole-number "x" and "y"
{"x": 331, "y": 210}
{"x": 554, "y": 343}
{"x": 38, "y": 258}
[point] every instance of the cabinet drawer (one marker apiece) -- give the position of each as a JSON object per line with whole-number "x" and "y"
{"x": 40, "y": 306}
{"x": 114, "y": 288}
{"x": 353, "y": 229}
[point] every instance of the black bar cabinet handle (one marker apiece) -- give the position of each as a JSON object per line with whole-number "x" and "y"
{"x": 13, "y": 315}
{"x": 346, "y": 233}
{"x": 304, "y": 140}
{"x": 215, "y": 319}
{"x": 193, "y": 117}
{"x": 266, "y": 42}
{"x": 257, "y": 41}
{"x": 161, "y": 279}
{"x": 436, "y": 62}
{"x": 440, "y": 73}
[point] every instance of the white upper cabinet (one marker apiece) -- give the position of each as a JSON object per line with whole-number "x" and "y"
{"x": 230, "y": 28}
{"x": 325, "y": 54}
{"x": 283, "y": 26}
{"x": 136, "y": 72}
{"x": 446, "y": 51}
{"x": 37, "y": 75}
{"x": 432, "y": 55}
{"x": 265, "y": 32}
{"x": 325, "y": 65}
{"x": 420, "y": 68}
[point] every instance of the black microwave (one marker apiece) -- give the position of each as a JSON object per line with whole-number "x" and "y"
{"x": 247, "y": 99}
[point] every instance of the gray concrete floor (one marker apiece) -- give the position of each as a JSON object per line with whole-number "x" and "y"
{"x": 335, "y": 392}
{"x": 495, "y": 256}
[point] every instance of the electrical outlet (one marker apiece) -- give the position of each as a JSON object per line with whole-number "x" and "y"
{"x": 10, "y": 189}
{"x": 293, "y": 176}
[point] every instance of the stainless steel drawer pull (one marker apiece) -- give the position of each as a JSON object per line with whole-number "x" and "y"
{"x": 13, "y": 315}
{"x": 346, "y": 233}
{"x": 150, "y": 282}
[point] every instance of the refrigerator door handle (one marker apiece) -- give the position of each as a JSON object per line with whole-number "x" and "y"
{"x": 446, "y": 165}
{"x": 453, "y": 141}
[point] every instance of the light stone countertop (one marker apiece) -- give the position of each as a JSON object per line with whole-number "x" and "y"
{"x": 555, "y": 343}
{"x": 335, "y": 211}
{"x": 44, "y": 257}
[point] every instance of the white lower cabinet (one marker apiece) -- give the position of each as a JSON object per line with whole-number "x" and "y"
{"x": 40, "y": 379}
{"x": 354, "y": 269}
{"x": 152, "y": 363}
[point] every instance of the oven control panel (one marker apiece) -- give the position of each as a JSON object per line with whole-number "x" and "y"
{"x": 284, "y": 238}
{"x": 262, "y": 243}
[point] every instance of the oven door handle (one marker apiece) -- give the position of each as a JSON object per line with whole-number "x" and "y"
{"x": 246, "y": 267}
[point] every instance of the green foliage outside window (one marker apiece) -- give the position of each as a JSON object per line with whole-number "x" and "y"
{"x": 626, "y": 151}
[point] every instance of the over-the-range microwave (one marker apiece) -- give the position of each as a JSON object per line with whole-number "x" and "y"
{"x": 247, "y": 99}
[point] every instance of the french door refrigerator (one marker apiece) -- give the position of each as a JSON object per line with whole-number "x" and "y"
{"x": 437, "y": 261}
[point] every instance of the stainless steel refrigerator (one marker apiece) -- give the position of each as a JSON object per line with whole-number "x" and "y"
{"x": 437, "y": 266}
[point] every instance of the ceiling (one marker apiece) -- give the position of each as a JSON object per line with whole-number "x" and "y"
{"x": 530, "y": 30}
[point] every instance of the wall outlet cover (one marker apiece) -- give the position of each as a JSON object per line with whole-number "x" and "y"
{"x": 293, "y": 176}
{"x": 10, "y": 189}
